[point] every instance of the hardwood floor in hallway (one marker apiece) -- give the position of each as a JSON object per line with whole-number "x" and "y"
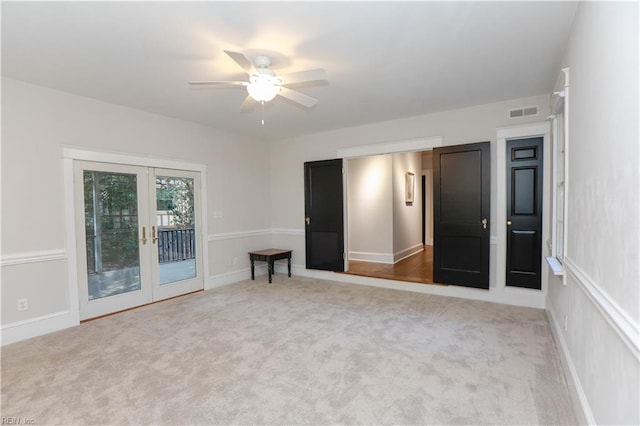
{"x": 417, "y": 268}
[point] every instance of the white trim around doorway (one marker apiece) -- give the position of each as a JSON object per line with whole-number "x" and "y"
{"x": 71, "y": 154}
{"x": 542, "y": 129}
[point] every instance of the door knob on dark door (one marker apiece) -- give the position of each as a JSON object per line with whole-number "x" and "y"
{"x": 308, "y": 220}
{"x": 509, "y": 223}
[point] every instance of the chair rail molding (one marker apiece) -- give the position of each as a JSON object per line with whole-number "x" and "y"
{"x": 618, "y": 319}
{"x": 33, "y": 257}
{"x": 239, "y": 234}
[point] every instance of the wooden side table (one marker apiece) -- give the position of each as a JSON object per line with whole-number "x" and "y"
{"x": 269, "y": 256}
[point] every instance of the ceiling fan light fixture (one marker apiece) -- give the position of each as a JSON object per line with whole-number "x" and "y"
{"x": 263, "y": 88}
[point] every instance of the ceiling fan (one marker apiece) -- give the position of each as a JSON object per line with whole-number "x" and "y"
{"x": 264, "y": 84}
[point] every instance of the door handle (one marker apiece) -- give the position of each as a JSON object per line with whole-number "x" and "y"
{"x": 484, "y": 223}
{"x": 144, "y": 235}
{"x": 154, "y": 235}
{"x": 509, "y": 223}
{"x": 308, "y": 220}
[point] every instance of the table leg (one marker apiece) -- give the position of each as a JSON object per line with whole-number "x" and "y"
{"x": 289, "y": 265}
{"x": 252, "y": 269}
{"x": 270, "y": 268}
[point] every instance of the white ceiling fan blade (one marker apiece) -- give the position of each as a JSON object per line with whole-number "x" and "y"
{"x": 304, "y": 76}
{"x": 218, "y": 83}
{"x": 243, "y": 61}
{"x": 248, "y": 105}
{"x": 298, "y": 97}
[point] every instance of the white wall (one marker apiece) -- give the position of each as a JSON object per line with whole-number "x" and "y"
{"x": 369, "y": 194}
{"x": 37, "y": 122}
{"x": 376, "y": 191}
{"x": 407, "y": 217}
{"x": 601, "y": 299}
{"x": 467, "y": 125}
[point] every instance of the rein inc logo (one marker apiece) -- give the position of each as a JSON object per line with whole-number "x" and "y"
{"x": 17, "y": 421}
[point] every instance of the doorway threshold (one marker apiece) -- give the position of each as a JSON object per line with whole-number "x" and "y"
{"x": 415, "y": 269}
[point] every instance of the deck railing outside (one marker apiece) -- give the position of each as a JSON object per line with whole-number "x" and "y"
{"x": 176, "y": 244}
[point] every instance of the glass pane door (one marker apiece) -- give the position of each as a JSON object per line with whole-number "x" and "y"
{"x": 113, "y": 237}
{"x": 175, "y": 224}
{"x": 175, "y": 233}
{"x": 111, "y": 231}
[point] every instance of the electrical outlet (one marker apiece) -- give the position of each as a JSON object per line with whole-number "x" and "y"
{"x": 566, "y": 323}
{"x": 23, "y": 305}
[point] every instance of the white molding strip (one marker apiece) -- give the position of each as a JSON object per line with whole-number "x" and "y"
{"x": 363, "y": 256}
{"x": 524, "y": 130}
{"x": 33, "y": 257}
{"x": 575, "y": 386}
{"x": 239, "y": 234}
{"x": 254, "y": 233}
{"x": 410, "y": 145}
{"x": 283, "y": 231}
{"x": 619, "y": 320}
{"x": 403, "y": 254}
{"x": 81, "y": 153}
{"x": 26, "y": 329}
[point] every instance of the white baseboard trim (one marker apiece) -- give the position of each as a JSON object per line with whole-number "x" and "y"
{"x": 388, "y": 258}
{"x": 33, "y": 257}
{"x": 403, "y": 254}
{"x": 616, "y": 317}
{"x": 575, "y": 387}
{"x": 22, "y": 330}
{"x": 507, "y": 298}
{"x": 233, "y": 277}
{"x": 363, "y": 256}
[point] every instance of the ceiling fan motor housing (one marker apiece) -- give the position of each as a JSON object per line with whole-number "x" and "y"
{"x": 262, "y": 61}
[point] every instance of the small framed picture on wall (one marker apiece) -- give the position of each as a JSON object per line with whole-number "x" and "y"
{"x": 409, "y": 187}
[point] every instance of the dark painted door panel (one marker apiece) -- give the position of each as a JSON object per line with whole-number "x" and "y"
{"x": 324, "y": 229}
{"x": 524, "y": 212}
{"x": 461, "y": 177}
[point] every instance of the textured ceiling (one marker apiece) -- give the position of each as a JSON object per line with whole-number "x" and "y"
{"x": 384, "y": 60}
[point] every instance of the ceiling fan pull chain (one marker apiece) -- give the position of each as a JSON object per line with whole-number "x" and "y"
{"x": 262, "y": 112}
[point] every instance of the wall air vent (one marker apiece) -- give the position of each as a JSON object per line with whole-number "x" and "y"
{"x": 523, "y": 112}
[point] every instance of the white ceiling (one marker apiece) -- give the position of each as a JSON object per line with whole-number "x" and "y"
{"x": 384, "y": 60}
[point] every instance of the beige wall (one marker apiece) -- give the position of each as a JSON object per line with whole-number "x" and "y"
{"x": 467, "y": 125}
{"x": 601, "y": 299}
{"x": 376, "y": 191}
{"x": 369, "y": 194}
{"x": 407, "y": 217}
{"x": 37, "y": 122}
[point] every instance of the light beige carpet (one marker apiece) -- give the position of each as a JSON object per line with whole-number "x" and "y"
{"x": 298, "y": 351}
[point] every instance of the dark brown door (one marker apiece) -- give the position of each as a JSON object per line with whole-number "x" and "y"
{"x": 461, "y": 179}
{"x": 524, "y": 212}
{"x": 324, "y": 229}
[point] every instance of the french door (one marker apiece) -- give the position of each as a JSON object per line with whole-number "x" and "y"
{"x": 138, "y": 235}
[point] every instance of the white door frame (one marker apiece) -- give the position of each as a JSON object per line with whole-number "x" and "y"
{"x": 69, "y": 155}
{"x": 542, "y": 129}
{"x": 411, "y": 145}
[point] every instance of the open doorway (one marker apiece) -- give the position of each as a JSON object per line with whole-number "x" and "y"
{"x": 394, "y": 192}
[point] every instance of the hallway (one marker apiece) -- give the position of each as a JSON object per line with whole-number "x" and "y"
{"x": 417, "y": 268}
